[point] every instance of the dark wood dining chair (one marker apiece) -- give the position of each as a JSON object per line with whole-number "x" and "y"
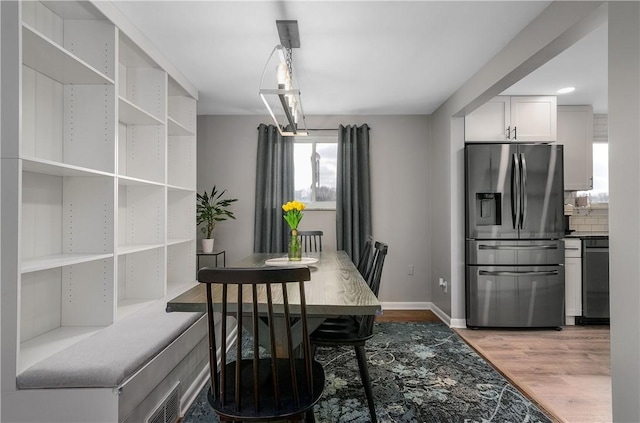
{"x": 355, "y": 330}
{"x": 311, "y": 241}
{"x": 364, "y": 263}
{"x": 261, "y": 384}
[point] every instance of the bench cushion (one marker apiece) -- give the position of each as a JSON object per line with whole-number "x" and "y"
{"x": 107, "y": 358}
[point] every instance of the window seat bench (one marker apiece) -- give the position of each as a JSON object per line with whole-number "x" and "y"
{"x": 138, "y": 359}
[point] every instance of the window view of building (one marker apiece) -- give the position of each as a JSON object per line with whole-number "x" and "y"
{"x": 315, "y": 167}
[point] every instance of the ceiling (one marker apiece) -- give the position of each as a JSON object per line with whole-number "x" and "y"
{"x": 356, "y": 57}
{"x": 583, "y": 66}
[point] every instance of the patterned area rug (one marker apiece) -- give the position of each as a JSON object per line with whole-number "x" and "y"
{"x": 421, "y": 372}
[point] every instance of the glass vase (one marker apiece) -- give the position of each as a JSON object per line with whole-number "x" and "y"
{"x": 295, "y": 249}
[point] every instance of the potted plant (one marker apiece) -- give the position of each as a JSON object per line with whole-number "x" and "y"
{"x": 210, "y": 209}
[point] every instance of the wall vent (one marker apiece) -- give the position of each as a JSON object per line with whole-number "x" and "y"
{"x": 168, "y": 411}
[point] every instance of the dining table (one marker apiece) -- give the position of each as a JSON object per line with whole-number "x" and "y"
{"x": 336, "y": 289}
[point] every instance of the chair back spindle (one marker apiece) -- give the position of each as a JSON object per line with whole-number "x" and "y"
{"x": 251, "y": 386}
{"x": 375, "y": 275}
{"x": 365, "y": 261}
{"x": 311, "y": 241}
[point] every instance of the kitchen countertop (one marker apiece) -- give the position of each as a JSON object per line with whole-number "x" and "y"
{"x": 584, "y": 235}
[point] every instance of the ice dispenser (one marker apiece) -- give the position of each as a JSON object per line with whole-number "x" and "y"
{"x": 488, "y": 208}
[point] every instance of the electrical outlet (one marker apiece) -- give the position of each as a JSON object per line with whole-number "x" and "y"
{"x": 410, "y": 270}
{"x": 442, "y": 283}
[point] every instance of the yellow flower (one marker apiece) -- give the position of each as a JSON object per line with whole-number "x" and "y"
{"x": 293, "y": 213}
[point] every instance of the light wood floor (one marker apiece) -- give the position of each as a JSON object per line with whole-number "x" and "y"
{"x": 567, "y": 373}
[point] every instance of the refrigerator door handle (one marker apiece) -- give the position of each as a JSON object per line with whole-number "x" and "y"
{"x": 523, "y": 190}
{"x": 516, "y": 273}
{"x": 517, "y": 247}
{"x": 515, "y": 190}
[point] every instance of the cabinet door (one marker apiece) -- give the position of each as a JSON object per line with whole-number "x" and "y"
{"x": 533, "y": 118}
{"x": 573, "y": 286}
{"x": 489, "y": 122}
{"x": 575, "y": 132}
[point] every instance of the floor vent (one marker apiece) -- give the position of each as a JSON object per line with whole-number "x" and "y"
{"x": 168, "y": 411}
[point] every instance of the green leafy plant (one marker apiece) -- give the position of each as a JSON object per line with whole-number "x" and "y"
{"x": 212, "y": 208}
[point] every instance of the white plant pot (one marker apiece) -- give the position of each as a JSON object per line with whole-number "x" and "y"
{"x": 207, "y": 245}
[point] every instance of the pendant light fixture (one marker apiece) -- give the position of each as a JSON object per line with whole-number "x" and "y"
{"x": 281, "y": 92}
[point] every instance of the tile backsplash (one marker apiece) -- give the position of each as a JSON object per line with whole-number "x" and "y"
{"x": 590, "y": 219}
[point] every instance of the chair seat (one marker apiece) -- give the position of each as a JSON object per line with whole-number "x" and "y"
{"x": 340, "y": 321}
{"x": 340, "y": 331}
{"x": 268, "y": 408}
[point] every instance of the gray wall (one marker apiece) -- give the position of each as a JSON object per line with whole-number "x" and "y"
{"x": 559, "y": 26}
{"x": 400, "y": 149}
{"x": 556, "y": 28}
{"x": 624, "y": 227}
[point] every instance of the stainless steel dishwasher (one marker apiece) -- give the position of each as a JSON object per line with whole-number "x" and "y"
{"x": 595, "y": 280}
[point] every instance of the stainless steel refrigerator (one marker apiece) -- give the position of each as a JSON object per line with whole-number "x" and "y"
{"x": 514, "y": 235}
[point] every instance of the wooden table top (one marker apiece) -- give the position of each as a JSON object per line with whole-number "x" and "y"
{"x": 336, "y": 287}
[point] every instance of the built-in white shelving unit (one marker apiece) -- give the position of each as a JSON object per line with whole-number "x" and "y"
{"x": 98, "y": 179}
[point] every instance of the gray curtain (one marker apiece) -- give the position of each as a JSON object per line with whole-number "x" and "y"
{"x": 274, "y": 187}
{"x": 353, "y": 203}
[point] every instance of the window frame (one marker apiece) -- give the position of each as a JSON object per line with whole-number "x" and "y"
{"x": 314, "y": 140}
{"x": 590, "y": 193}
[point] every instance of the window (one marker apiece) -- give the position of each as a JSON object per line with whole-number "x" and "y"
{"x": 315, "y": 171}
{"x": 600, "y": 191}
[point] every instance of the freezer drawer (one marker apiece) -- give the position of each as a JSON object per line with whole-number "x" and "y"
{"x": 534, "y": 253}
{"x": 518, "y": 296}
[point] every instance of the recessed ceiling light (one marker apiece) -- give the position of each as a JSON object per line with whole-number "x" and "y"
{"x": 566, "y": 90}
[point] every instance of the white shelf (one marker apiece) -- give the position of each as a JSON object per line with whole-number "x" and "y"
{"x": 49, "y": 167}
{"x": 176, "y": 188}
{"x": 131, "y": 114}
{"x": 136, "y": 248}
{"x": 59, "y": 260}
{"x": 132, "y": 182}
{"x": 176, "y": 129}
{"x": 177, "y": 241}
{"x": 48, "y": 58}
{"x": 130, "y": 306}
{"x": 47, "y": 344}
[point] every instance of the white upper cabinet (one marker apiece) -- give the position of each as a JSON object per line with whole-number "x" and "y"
{"x": 513, "y": 119}
{"x": 533, "y": 118}
{"x": 575, "y": 132}
{"x": 489, "y": 122}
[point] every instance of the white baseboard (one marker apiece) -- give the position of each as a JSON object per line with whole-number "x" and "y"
{"x": 453, "y": 323}
{"x": 441, "y": 314}
{"x": 458, "y": 323}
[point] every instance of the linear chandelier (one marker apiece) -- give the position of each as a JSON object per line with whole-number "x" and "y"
{"x": 281, "y": 94}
